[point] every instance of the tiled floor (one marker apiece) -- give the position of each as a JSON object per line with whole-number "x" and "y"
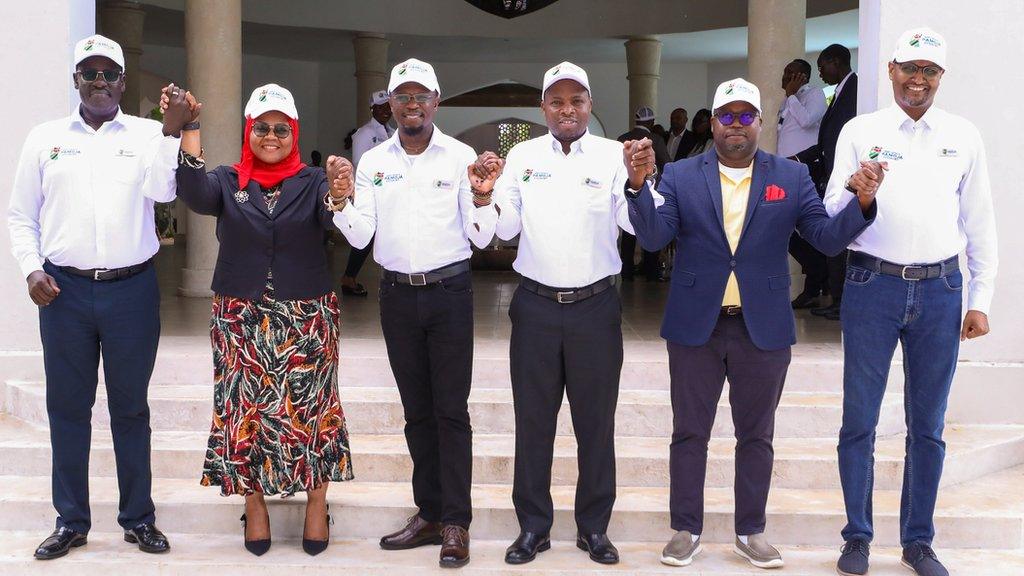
{"x": 642, "y": 305}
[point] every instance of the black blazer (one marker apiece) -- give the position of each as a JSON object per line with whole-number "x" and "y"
{"x": 252, "y": 240}
{"x": 821, "y": 157}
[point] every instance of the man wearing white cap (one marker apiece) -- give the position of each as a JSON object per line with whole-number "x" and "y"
{"x": 415, "y": 193}
{"x": 731, "y": 211}
{"x": 903, "y": 284}
{"x": 81, "y": 225}
{"x": 375, "y": 131}
{"x": 563, "y": 193}
{"x": 649, "y": 263}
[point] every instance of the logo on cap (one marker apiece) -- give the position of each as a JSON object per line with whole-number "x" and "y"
{"x": 263, "y": 95}
{"x": 401, "y": 69}
{"x": 928, "y": 40}
{"x": 729, "y": 88}
{"x": 88, "y": 44}
{"x": 555, "y": 71}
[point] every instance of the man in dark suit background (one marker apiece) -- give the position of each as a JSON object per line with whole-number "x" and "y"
{"x": 731, "y": 211}
{"x": 834, "y": 69}
{"x": 650, "y": 263}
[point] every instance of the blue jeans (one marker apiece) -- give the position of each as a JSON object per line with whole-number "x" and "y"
{"x": 924, "y": 317}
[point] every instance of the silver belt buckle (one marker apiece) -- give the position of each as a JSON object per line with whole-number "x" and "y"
{"x": 903, "y": 273}
{"x": 96, "y": 274}
{"x": 560, "y": 295}
{"x": 417, "y": 279}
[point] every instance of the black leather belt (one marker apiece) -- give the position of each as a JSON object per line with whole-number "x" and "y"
{"x": 424, "y": 278}
{"x": 731, "y": 311}
{"x": 568, "y": 296}
{"x": 107, "y": 274}
{"x": 907, "y": 272}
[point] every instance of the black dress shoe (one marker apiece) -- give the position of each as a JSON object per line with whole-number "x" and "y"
{"x": 599, "y": 547}
{"x": 148, "y": 537}
{"x": 805, "y": 300}
{"x": 832, "y": 315}
{"x": 314, "y": 547}
{"x": 526, "y": 547}
{"x": 827, "y": 309}
{"x": 257, "y": 547}
{"x": 58, "y": 543}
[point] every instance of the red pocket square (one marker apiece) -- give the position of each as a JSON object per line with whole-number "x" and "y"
{"x": 774, "y": 193}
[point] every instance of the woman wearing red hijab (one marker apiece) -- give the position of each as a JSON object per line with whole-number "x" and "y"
{"x": 278, "y": 426}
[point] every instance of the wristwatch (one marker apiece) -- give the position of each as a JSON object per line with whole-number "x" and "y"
{"x": 190, "y": 126}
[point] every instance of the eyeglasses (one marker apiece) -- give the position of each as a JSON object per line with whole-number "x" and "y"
{"x": 281, "y": 130}
{"x": 109, "y": 76}
{"x": 421, "y": 98}
{"x": 910, "y": 69}
{"x": 745, "y": 118}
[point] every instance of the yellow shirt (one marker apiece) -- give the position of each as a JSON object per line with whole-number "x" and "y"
{"x": 734, "y": 211}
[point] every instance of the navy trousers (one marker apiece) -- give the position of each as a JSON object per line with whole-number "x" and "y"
{"x": 118, "y": 321}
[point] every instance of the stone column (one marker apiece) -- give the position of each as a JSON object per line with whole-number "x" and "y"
{"x": 121, "y": 21}
{"x": 213, "y": 47}
{"x": 776, "y": 35}
{"x": 371, "y": 70}
{"x": 643, "y": 68}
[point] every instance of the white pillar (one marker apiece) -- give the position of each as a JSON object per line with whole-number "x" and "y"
{"x": 776, "y": 35}
{"x": 643, "y": 68}
{"x": 121, "y": 21}
{"x": 371, "y": 51}
{"x": 213, "y": 46}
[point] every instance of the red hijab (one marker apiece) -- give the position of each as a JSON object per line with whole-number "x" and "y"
{"x": 267, "y": 175}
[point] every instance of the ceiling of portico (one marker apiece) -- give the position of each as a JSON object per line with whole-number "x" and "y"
{"x": 453, "y": 31}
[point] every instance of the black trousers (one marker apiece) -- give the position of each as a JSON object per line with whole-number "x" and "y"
{"x": 649, "y": 261}
{"x": 698, "y": 374}
{"x": 118, "y": 321}
{"x": 837, "y": 275}
{"x": 575, "y": 349}
{"x": 428, "y": 331}
{"x": 356, "y": 258}
{"x": 813, "y": 264}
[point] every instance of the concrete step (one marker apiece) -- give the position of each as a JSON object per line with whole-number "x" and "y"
{"x": 363, "y": 362}
{"x": 986, "y": 513}
{"x": 193, "y": 555}
{"x": 378, "y": 410}
{"x": 971, "y": 452}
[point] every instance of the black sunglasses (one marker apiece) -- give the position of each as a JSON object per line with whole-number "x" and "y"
{"x": 727, "y": 118}
{"x": 109, "y": 76}
{"x": 910, "y": 69}
{"x": 281, "y": 130}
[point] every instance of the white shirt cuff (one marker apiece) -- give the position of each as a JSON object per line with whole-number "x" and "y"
{"x": 30, "y": 264}
{"x": 980, "y": 300}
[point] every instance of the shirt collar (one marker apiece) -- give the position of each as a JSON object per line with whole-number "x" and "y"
{"x": 839, "y": 87}
{"x": 575, "y": 147}
{"x": 726, "y": 172}
{"x": 930, "y": 120}
{"x": 76, "y": 119}
{"x": 437, "y": 138}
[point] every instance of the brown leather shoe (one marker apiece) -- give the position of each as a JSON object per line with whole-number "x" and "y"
{"x": 454, "y": 546}
{"x": 417, "y": 532}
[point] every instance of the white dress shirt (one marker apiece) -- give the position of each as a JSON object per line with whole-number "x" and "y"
{"x": 567, "y": 206}
{"x": 799, "y": 120}
{"x": 673, "y": 144}
{"x": 84, "y": 197}
{"x": 420, "y": 207}
{"x": 842, "y": 83}
{"x": 367, "y": 136}
{"x": 934, "y": 201}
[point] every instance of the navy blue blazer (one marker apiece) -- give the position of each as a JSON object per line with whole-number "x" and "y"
{"x": 252, "y": 240}
{"x": 692, "y": 214}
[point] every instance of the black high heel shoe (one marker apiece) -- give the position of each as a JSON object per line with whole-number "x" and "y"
{"x": 314, "y": 547}
{"x": 257, "y": 547}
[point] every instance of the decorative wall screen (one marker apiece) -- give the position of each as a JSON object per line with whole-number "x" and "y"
{"x": 510, "y": 134}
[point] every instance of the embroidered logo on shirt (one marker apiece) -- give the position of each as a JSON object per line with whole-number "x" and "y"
{"x": 592, "y": 182}
{"x": 526, "y": 175}
{"x": 60, "y": 151}
{"x": 443, "y": 184}
{"x": 530, "y": 173}
{"x": 879, "y": 153}
{"x": 378, "y": 179}
{"x": 122, "y": 153}
{"x": 948, "y": 152}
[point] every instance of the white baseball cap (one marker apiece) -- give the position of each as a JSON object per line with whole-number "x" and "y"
{"x": 737, "y": 90}
{"x": 921, "y": 44}
{"x": 379, "y": 97}
{"x": 271, "y": 97}
{"x": 565, "y": 71}
{"x": 97, "y": 45}
{"x": 643, "y": 114}
{"x": 413, "y": 70}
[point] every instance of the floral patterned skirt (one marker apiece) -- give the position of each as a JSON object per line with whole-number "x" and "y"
{"x": 278, "y": 426}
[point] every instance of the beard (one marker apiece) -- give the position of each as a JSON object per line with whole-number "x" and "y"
{"x": 413, "y": 130}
